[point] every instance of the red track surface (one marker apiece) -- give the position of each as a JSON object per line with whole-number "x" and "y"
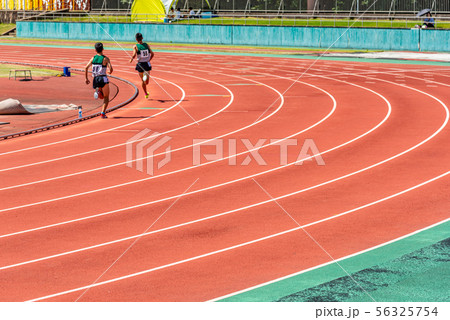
{"x": 70, "y": 207}
{"x": 53, "y": 90}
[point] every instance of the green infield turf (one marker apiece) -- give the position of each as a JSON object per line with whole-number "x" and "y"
{"x": 262, "y": 21}
{"x": 313, "y": 22}
{"x": 6, "y": 26}
{"x": 35, "y": 72}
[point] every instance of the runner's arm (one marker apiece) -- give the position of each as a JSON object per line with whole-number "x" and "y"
{"x": 86, "y": 70}
{"x": 134, "y": 53}
{"x": 108, "y": 64}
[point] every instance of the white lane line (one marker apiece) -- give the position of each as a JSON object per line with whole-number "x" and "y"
{"x": 127, "y": 67}
{"x": 178, "y": 128}
{"x": 416, "y": 78}
{"x": 154, "y": 155}
{"x": 132, "y": 182}
{"x": 322, "y": 184}
{"x": 122, "y": 144}
{"x": 241, "y": 244}
{"x": 122, "y": 130}
{"x": 327, "y": 263}
{"x": 160, "y": 230}
{"x": 392, "y": 71}
{"x": 228, "y": 182}
{"x": 100, "y": 132}
{"x": 109, "y": 166}
{"x": 152, "y": 177}
{"x": 223, "y": 184}
{"x": 208, "y": 188}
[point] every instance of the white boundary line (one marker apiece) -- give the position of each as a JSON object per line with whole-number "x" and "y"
{"x": 178, "y": 128}
{"x": 172, "y": 130}
{"x": 185, "y": 147}
{"x": 99, "y": 132}
{"x": 88, "y": 135}
{"x": 284, "y": 196}
{"x": 189, "y": 146}
{"x": 219, "y": 185}
{"x": 327, "y": 263}
{"x": 314, "y": 240}
{"x": 136, "y": 181}
{"x": 136, "y": 240}
{"x": 140, "y": 205}
{"x": 392, "y": 70}
{"x": 122, "y": 144}
{"x": 241, "y": 244}
{"x": 200, "y": 190}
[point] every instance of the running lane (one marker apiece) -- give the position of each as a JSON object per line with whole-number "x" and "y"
{"x": 224, "y": 233}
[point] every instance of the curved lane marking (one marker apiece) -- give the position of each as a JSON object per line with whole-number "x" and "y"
{"x": 238, "y": 245}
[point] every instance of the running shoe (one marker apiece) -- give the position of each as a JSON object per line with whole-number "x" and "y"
{"x": 147, "y": 95}
{"x": 98, "y": 94}
{"x": 103, "y": 116}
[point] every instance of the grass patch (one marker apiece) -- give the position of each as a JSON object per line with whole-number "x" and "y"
{"x": 6, "y": 26}
{"x": 313, "y": 22}
{"x": 127, "y": 45}
{"x": 419, "y": 276}
{"x": 253, "y": 21}
{"x": 35, "y": 72}
{"x": 100, "y": 19}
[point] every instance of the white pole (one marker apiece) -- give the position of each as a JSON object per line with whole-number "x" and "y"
{"x": 392, "y": 5}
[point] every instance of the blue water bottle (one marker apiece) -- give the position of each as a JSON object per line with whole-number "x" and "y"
{"x": 66, "y": 71}
{"x": 80, "y": 112}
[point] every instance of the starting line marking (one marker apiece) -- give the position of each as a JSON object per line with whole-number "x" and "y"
{"x": 208, "y": 95}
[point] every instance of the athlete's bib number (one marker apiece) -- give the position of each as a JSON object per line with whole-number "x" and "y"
{"x": 96, "y": 69}
{"x": 144, "y": 53}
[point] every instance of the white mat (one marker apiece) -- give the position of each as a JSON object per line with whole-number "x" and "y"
{"x": 12, "y": 106}
{"x": 394, "y": 55}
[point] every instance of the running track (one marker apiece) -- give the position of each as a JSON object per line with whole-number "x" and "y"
{"x": 72, "y": 214}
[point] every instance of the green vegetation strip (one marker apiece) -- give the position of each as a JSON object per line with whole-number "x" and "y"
{"x": 5, "y": 27}
{"x": 219, "y": 50}
{"x": 35, "y": 72}
{"x": 312, "y": 22}
{"x": 127, "y": 45}
{"x": 422, "y": 275}
{"x": 263, "y": 21}
{"x": 415, "y": 268}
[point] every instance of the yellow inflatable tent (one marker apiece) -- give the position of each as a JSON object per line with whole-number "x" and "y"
{"x": 152, "y": 10}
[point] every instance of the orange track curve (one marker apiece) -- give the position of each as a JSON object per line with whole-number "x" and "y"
{"x": 392, "y": 116}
